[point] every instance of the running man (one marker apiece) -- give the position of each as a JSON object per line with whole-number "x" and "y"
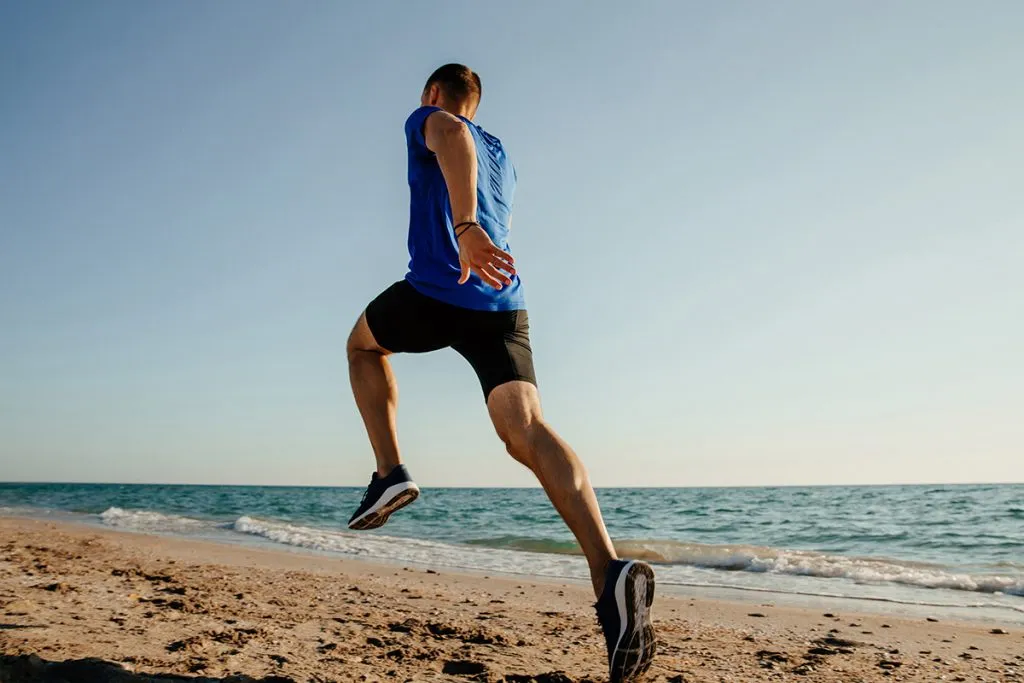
{"x": 462, "y": 292}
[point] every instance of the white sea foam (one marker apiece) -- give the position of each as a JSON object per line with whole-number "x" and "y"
{"x": 6, "y": 511}
{"x": 821, "y": 565}
{"x": 415, "y": 551}
{"x": 146, "y": 520}
{"x": 674, "y": 556}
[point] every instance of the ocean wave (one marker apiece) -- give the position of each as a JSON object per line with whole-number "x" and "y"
{"x": 819, "y": 565}
{"x": 291, "y": 534}
{"x": 522, "y": 554}
{"x": 23, "y": 511}
{"x": 529, "y": 544}
{"x": 147, "y": 520}
{"x": 763, "y": 560}
{"x": 337, "y": 541}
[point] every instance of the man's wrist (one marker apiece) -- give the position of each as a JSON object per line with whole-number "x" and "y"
{"x": 463, "y": 227}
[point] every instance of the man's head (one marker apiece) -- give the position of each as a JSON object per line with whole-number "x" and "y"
{"x": 455, "y": 88}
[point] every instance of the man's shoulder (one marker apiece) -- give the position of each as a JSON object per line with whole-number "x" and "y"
{"x": 418, "y": 117}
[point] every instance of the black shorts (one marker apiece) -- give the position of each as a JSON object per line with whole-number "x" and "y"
{"x": 496, "y": 343}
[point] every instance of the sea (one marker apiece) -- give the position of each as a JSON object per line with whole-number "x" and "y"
{"x": 955, "y": 551}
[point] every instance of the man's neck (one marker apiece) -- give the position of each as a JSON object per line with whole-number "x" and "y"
{"x": 461, "y": 109}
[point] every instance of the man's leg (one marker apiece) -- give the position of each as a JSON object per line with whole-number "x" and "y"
{"x": 515, "y": 410}
{"x": 376, "y": 394}
{"x": 398, "y": 320}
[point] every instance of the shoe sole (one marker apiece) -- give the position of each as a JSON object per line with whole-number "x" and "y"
{"x": 634, "y": 651}
{"x": 373, "y": 519}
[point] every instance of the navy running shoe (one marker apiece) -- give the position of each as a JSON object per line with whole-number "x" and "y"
{"x": 384, "y": 496}
{"x": 624, "y": 610}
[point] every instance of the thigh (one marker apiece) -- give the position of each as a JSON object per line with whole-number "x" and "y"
{"x": 497, "y": 345}
{"x": 402, "y": 320}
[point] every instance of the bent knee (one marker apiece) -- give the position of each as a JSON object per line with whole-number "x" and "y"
{"x": 361, "y": 340}
{"x": 353, "y": 347}
{"x": 521, "y": 441}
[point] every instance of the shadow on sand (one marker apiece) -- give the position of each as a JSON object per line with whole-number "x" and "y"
{"x": 33, "y": 669}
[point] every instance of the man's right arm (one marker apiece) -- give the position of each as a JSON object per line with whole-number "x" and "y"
{"x": 449, "y": 138}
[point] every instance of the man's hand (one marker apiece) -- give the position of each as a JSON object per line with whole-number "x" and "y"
{"x": 478, "y": 254}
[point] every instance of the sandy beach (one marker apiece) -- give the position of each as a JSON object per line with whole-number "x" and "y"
{"x": 85, "y": 604}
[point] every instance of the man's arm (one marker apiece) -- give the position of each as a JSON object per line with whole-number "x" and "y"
{"x": 449, "y": 138}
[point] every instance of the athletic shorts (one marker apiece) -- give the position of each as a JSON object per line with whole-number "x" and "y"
{"x": 496, "y": 343}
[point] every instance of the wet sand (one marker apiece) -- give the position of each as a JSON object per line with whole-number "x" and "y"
{"x": 83, "y": 604}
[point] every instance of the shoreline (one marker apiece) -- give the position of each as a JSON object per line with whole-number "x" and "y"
{"x": 166, "y": 605}
{"x": 818, "y": 594}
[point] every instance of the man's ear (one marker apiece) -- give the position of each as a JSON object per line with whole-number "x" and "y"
{"x": 433, "y": 94}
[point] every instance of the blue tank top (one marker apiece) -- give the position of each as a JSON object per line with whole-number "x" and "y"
{"x": 433, "y": 252}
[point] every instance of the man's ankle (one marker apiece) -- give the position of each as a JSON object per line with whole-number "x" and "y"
{"x": 598, "y": 575}
{"x": 385, "y": 470}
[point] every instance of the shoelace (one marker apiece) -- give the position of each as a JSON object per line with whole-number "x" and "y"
{"x": 366, "y": 493}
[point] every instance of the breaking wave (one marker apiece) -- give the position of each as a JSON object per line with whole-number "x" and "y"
{"x": 529, "y": 555}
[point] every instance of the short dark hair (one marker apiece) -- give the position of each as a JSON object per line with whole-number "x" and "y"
{"x": 457, "y": 81}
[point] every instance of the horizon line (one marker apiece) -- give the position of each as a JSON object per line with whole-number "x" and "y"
{"x": 537, "y": 486}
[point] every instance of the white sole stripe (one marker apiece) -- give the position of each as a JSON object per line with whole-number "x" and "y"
{"x": 620, "y": 602}
{"x": 634, "y": 645}
{"x": 389, "y": 495}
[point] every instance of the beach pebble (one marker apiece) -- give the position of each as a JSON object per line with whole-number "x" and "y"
{"x": 771, "y": 656}
{"x": 832, "y": 641}
{"x": 59, "y": 587}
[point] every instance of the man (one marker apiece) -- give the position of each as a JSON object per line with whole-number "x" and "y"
{"x": 462, "y": 291}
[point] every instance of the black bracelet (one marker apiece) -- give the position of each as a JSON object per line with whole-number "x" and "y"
{"x": 468, "y": 224}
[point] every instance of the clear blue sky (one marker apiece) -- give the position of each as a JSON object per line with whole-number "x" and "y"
{"x": 763, "y": 243}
